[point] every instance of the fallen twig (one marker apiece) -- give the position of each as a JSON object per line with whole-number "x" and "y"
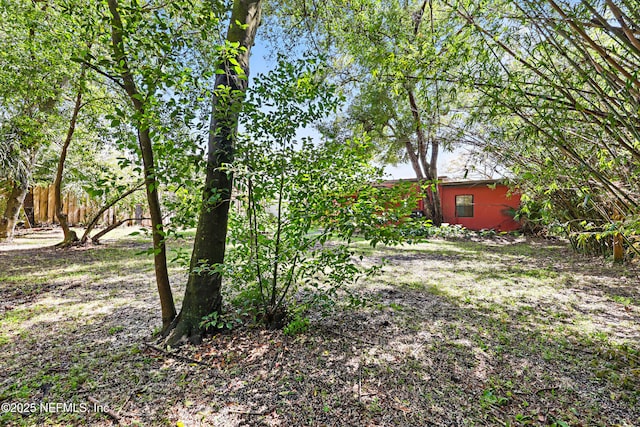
{"x": 257, "y": 414}
{"x": 137, "y": 390}
{"x": 105, "y": 409}
{"x": 95, "y": 239}
{"x": 176, "y": 356}
{"x": 545, "y": 389}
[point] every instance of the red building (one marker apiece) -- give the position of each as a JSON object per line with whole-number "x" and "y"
{"x": 477, "y": 205}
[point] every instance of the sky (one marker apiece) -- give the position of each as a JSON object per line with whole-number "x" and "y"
{"x": 450, "y": 164}
{"x": 445, "y": 166}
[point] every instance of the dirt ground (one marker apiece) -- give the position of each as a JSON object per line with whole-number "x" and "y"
{"x": 456, "y": 333}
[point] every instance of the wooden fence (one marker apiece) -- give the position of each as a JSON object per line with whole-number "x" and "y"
{"x": 39, "y": 207}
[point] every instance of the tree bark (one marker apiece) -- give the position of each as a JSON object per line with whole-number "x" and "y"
{"x": 105, "y": 208}
{"x": 415, "y": 163}
{"x": 70, "y": 236}
{"x": 433, "y": 172}
{"x": 14, "y": 203}
{"x": 151, "y": 184}
{"x": 203, "y": 293}
{"x": 96, "y": 239}
{"x": 428, "y": 169}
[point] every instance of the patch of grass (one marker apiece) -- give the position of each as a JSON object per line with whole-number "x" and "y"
{"x": 489, "y": 398}
{"x": 539, "y": 273}
{"x": 396, "y": 307}
{"x": 414, "y": 286}
{"x": 296, "y": 326}
{"x": 626, "y": 301}
{"x": 434, "y": 289}
{"x": 115, "y": 329}
{"x": 374, "y": 406}
{"x": 33, "y": 279}
{"x": 15, "y": 317}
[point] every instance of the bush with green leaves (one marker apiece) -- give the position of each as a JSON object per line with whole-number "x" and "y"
{"x": 299, "y": 202}
{"x": 216, "y": 321}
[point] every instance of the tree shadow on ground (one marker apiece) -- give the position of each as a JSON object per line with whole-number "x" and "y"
{"x": 443, "y": 353}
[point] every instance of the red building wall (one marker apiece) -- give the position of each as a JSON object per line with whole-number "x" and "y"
{"x": 493, "y": 206}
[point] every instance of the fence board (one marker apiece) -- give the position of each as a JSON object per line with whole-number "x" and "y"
{"x": 36, "y": 204}
{"x": 51, "y": 205}
{"x": 78, "y": 209}
{"x": 44, "y": 201}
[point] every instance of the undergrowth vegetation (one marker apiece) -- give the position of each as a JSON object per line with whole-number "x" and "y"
{"x": 504, "y": 330}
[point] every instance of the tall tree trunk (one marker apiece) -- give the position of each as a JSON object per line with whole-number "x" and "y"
{"x": 151, "y": 184}
{"x": 160, "y": 253}
{"x": 433, "y": 172}
{"x": 415, "y": 163}
{"x": 428, "y": 168}
{"x": 14, "y": 203}
{"x": 203, "y": 293}
{"x": 70, "y": 236}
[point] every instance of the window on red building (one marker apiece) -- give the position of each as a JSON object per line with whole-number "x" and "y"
{"x": 464, "y": 206}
